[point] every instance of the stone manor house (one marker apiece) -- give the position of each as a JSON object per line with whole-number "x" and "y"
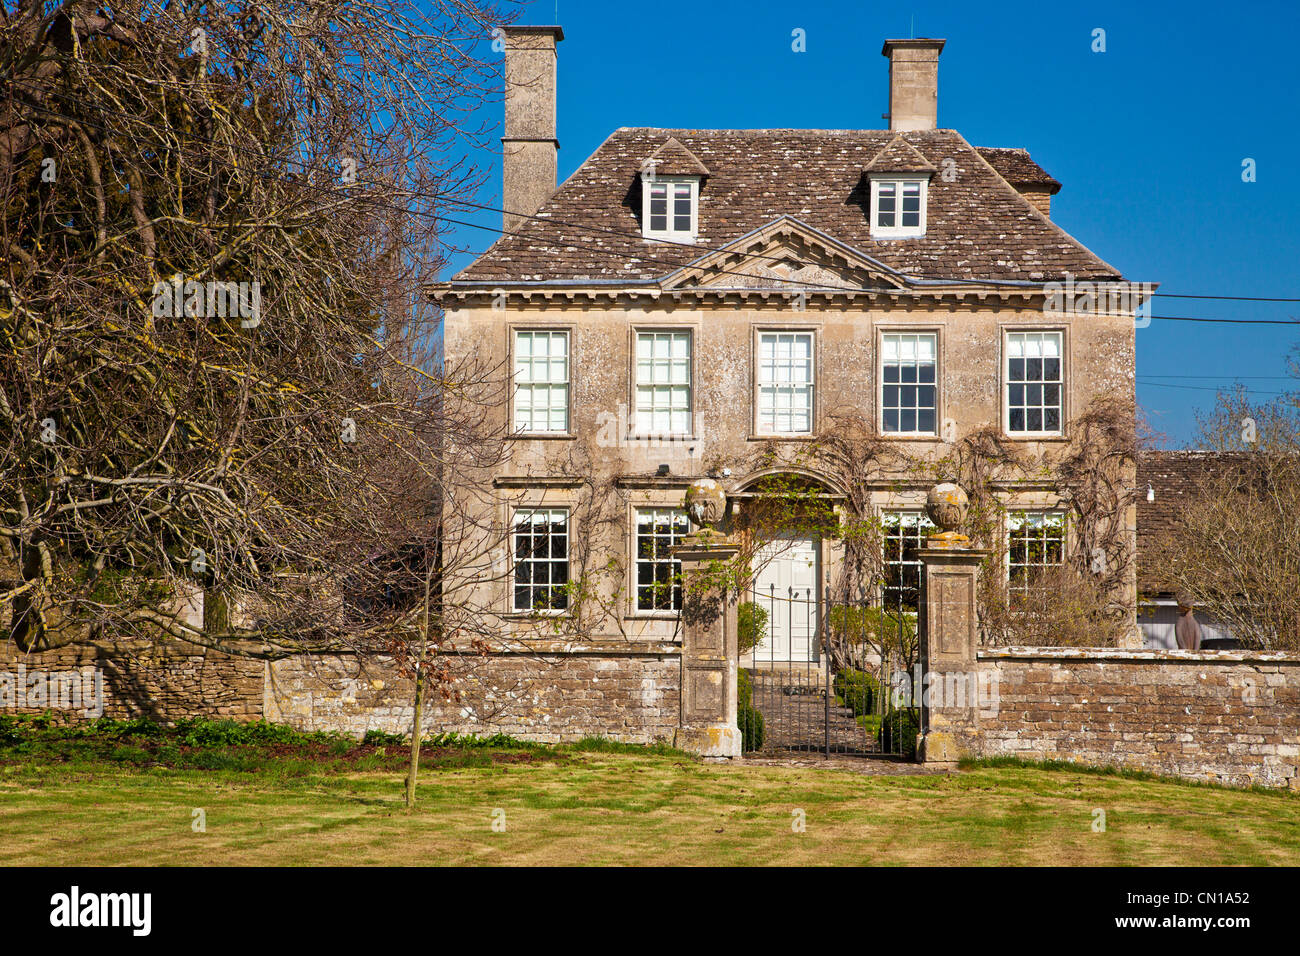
{"x": 707, "y": 302}
{"x": 707, "y": 309}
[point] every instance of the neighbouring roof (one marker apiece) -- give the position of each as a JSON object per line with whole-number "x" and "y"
{"x": 1014, "y": 165}
{"x": 978, "y": 225}
{"x": 1172, "y": 476}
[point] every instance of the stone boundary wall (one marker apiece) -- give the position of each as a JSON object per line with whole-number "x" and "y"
{"x": 632, "y": 697}
{"x": 1224, "y": 716}
{"x": 628, "y": 695}
{"x": 1227, "y": 716}
{"x": 161, "y": 684}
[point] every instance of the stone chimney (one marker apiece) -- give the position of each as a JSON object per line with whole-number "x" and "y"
{"x": 529, "y": 148}
{"x": 913, "y": 83}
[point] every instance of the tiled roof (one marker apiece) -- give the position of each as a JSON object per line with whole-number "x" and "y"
{"x": 1014, "y": 165}
{"x": 978, "y": 226}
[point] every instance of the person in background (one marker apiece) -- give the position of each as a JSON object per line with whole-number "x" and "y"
{"x": 1187, "y": 630}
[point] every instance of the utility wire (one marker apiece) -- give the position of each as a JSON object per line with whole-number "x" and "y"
{"x": 1209, "y": 388}
{"x": 626, "y": 237}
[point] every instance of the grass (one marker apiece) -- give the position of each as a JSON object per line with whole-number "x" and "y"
{"x": 313, "y": 800}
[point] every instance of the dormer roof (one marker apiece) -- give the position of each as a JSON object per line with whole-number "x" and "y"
{"x": 674, "y": 159}
{"x": 899, "y": 156}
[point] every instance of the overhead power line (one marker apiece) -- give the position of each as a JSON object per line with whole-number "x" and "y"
{"x": 625, "y": 237}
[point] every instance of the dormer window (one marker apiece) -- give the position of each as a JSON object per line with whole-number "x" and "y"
{"x": 669, "y": 207}
{"x": 898, "y": 207}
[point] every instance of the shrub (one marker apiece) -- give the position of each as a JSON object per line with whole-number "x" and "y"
{"x": 748, "y": 719}
{"x": 866, "y": 629}
{"x": 857, "y": 690}
{"x": 381, "y": 738}
{"x": 751, "y": 623}
{"x": 898, "y": 731}
{"x": 202, "y": 732}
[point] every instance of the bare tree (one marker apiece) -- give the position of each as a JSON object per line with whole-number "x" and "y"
{"x": 217, "y": 376}
{"x": 1235, "y": 544}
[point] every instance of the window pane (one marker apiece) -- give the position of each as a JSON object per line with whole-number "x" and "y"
{"x": 1033, "y": 358}
{"x": 785, "y": 382}
{"x": 909, "y": 407}
{"x": 541, "y": 377}
{"x": 541, "y": 559}
{"x": 658, "y": 574}
{"x": 1036, "y": 540}
{"x": 663, "y": 394}
{"x": 904, "y": 532}
{"x": 671, "y": 209}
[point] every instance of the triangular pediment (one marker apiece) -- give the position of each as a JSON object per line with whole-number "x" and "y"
{"x": 785, "y": 254}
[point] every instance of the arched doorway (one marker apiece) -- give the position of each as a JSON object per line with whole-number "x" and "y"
{"x": 786, "y": 518}
{"x": 809, "y": 693}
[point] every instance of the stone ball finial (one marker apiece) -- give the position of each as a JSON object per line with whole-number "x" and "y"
{"x": 705, "y": 502}
{"x": 946, "y": 505}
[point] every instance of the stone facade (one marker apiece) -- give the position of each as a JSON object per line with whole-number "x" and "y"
{"x": 1226, "y": 716}
{"x": 598, "y": 458}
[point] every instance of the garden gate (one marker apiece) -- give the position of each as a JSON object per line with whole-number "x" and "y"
{"x": 800, "y": 698}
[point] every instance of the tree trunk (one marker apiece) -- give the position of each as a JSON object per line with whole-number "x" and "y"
{"x": 415, "y": 736}
{"x": 419, "y": 699}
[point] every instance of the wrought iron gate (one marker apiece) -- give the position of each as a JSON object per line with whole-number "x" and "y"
{"x": 796, "y": 697}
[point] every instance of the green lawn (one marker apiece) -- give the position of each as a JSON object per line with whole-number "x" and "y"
{"x": 589, "y": 807}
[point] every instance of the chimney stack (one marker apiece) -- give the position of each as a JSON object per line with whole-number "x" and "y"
{"x": 529, "y": 148}
{"x": 913, "y": 83}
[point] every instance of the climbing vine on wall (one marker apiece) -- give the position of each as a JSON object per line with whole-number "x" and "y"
{"x": 1085, "y": 601}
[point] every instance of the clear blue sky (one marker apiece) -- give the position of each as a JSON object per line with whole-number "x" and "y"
{"x": 1147, "y": 138}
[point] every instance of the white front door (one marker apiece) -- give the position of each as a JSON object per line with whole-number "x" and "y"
{"x": 785, "y": 585}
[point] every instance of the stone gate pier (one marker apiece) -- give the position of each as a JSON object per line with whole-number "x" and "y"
{"x": 710, "y": 641}
{"x": 951, "y": 687}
